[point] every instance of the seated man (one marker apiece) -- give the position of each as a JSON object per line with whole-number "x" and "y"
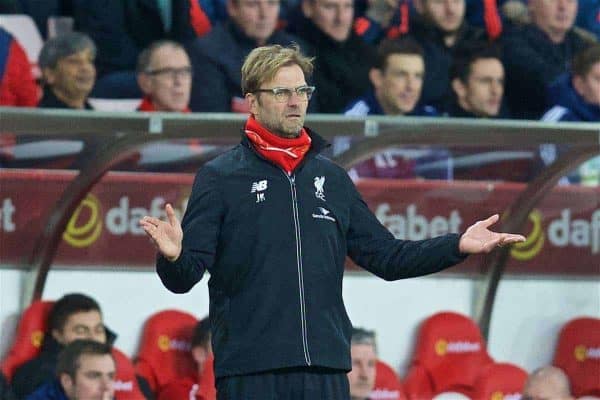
{"x": 201, "y": 352}
{"x": 576, "y": 97}
{"x": 218, "y": 57}
{"x": 397, "y": 79}
{"x": 68, "y": 72}
{"x": 477, "y": 78}
{"x": 74, "y": 316}
{"x": 85, "y": 371}
{"x": 363, "y": 351}
{"x": 164, "y": 74}
{"x": 547, "y": 383}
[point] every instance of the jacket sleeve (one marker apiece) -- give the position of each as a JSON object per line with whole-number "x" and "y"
{"x": 201, "y": 226}
{"x": 375, "y": 249}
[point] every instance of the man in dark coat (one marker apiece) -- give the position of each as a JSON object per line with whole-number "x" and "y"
{"x": 440, "y": 28}
{"x": 342, "y": 60}
{"x": 217, "y": 57}
{"x": 537, "y": 53}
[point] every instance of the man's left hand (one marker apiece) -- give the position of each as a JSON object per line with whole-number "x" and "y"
{"x": 479, "y": 239}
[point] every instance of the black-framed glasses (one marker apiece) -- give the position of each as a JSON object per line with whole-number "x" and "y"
{"x": 283, "y": 94}
{"x": 173, "y": 73}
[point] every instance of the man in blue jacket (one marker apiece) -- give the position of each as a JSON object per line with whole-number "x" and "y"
{"x": 85, "y": 371}
{"x": 272, "y": 221}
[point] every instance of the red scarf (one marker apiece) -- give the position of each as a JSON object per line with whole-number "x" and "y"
{"x": 284, "y": 152}
{"x": 146, "y": 105}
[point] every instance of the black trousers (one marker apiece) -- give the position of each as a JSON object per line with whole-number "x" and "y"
{"x": 301, "y": 383}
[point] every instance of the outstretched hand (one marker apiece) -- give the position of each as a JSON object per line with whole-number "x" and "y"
{"x": 165, "y": 235}
{"x": 479, "y": 239}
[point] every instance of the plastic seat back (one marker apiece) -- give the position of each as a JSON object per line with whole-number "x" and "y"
{"x": 449, "y": 354}
{"x": 29, "y": 337}
{"x": 578, "y": 355}
{"x": 387, "y": 384}
{"x": 500, "y": 381}
{"x": 165, "y": 348}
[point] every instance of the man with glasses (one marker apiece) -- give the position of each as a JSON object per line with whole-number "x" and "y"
{"x": 272, "y": 221}
{"x": 164, "y": 74}
{"x": 217, "y": 57}
{"x": 363, "y": 351}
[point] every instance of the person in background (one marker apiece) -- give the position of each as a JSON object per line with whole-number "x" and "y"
{"x": 478, "y": 83}
{"x": 217, "y": 57}
{"x": 397, "y": 79}
{"x": 68, "y": 71}
{"x": 17, "y": 85}
{"x": 85, "y": 370}
{"x": 202, "y": 388}
{"x": 74, "y": 316}
{"x": 342, "y": 59}
{"x": 547, "y": 383}
{"x": 439, "y": 26}
{"x": 535, "y": 54}
{"x": 164, "y": 74}
{"x": 363, "y": 350}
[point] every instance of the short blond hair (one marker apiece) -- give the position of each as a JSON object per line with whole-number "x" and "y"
{"x": 262, "y": 64}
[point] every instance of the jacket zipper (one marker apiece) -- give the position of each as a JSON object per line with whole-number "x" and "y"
{"x": 292, "y": 180}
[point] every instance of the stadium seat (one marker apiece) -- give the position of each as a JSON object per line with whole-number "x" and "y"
{"x": 578, "y": 354}
{"x": 165, "y": 348}
{"x": 23, "y": 28}
{"x": 387, "y": 384}
{"x": 500, "y": 381}
{"x": 29, "y": 337}
{"x": 449, "y": 354}
{"x": 126, "y": 385}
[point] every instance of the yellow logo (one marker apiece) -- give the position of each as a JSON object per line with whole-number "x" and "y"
{"x": 37, "y": 338}
{"x": 440, "y": 347}
{"x": 580, "y": 353}
{"x": 535, "y": 240}
{"x": 164, "y": 343}
{"x": 497, "y": 396}
{"x": 87, "y": 233}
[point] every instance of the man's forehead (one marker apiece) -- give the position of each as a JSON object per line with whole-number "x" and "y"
{"x": 103, "y": 363}
{"x": 85, "y": 317}
{"x": 335, "y": 2}
{"x": 169, "y": 56}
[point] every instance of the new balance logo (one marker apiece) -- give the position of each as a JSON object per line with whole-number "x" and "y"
{"x": 324, "y": 214}
{"x": 259, "y": 186}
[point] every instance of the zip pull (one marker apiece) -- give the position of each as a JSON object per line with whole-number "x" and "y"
{"x": 293, "y": 179}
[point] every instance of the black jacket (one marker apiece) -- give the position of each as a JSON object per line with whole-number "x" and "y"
{"x": 532, "y": 62}
{"x": 439, "y": 57}
{"x": 275, "y": 246}
{"x": 217, "y": 60}
{"x": 341, "y": 68}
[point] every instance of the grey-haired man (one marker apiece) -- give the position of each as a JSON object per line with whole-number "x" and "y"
{"x": 68, "y": 71}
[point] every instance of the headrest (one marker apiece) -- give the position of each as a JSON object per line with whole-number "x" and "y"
{"x": 578, "y": 354}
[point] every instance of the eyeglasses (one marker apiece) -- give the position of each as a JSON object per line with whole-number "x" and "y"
{"x": 283, "y": 95}
{"x": 173, "y": 73}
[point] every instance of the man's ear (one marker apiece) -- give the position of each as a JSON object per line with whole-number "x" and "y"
{"x": 58, "y": 336}
{"x": 252, "y": 101}
{"x": 232, "y": 7}
{"x": 459, "y": 88}
{"x": 308, "y": 8}
{"x": 376, "y": 78}
{"x": 578, "y": 84}
{"x": 199, "y": 354}
{"x": 419, "y": 6}
{"x": 144, "y": 83}
{"x": 67, "y": 383}
{"x": 49, "y": 76}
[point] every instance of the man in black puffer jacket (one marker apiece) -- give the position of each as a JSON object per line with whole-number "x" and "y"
{"x": 272, "y": 221}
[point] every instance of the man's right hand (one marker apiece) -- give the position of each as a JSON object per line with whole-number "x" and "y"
{"x": 165, "y": 235}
